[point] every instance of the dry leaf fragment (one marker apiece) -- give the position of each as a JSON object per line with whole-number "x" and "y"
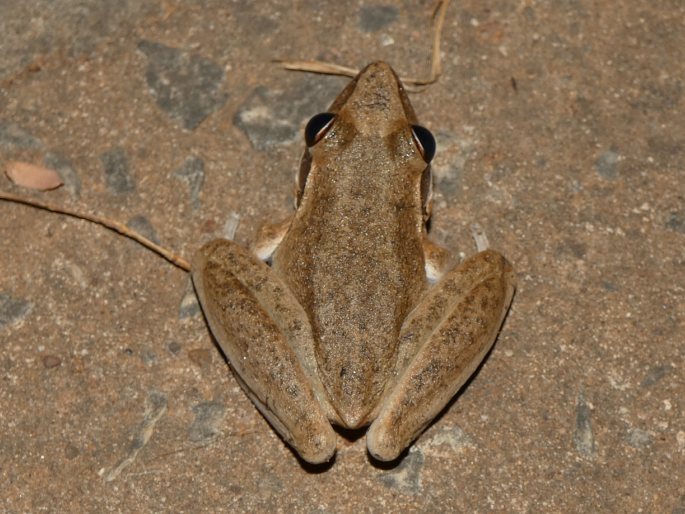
{"x": 32, "y": 176}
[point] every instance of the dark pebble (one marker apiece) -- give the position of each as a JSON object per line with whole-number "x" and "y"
{"x": 208, "y": 419}
{"x": 375, "y": 17}
{"x": 12, "y": 310}
{"x": 51, "y": 361}
{"x": 117, "y": 171}
{"x": 192, "y": 173}
{"x": 143, "y": 226}
{"x": 187, "y": 86}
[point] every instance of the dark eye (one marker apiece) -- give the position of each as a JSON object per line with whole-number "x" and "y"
{"x": 316, "y": 127}
{"x": 425, "y": 141}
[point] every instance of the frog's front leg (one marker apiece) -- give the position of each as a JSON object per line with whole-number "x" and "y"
{"x": 443, "y": 341}
{"x": 266, "y": 336}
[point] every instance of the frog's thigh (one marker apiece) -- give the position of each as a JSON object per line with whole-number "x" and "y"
{"x": 452, "y": 329}
{"x": 265, "y": 334}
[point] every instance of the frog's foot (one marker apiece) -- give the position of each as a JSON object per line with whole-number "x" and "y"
{"x": 479, "y": 237}
{"x": 266, "y": 336}
{"x": 269, "y": 237}
{"x": 452, "y": 330}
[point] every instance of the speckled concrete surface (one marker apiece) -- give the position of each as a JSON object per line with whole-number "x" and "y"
{"x": 560, "y": 126}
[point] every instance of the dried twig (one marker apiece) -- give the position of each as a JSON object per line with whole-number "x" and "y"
{"x": 413, "y": 84}
{"x": 113, "y": 225}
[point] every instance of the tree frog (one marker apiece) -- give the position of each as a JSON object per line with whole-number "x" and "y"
{"x": 346, "y": 313}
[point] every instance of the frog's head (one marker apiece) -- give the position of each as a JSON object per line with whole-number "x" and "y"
{"x": 371, "y": 113}
{"x": 375, "y": 101}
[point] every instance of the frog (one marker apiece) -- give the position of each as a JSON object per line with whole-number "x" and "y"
{"x": 346, "y": 313}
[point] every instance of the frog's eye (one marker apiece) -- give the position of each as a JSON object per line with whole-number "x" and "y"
{"x": 425, "y": 141}
{"x": 316, "y": 127}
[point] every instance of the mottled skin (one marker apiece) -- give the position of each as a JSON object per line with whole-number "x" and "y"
{"x": 344, "y": 326}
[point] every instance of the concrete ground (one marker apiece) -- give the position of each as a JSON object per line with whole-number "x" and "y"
{"x": 560, "y": 129}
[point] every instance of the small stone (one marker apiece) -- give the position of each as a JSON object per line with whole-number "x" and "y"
{"x": 192, "y": 173}
{"x": 271, "y": 118}
{"x": 156, "y": 406}
{"x": 200, "y": 357}
{"x": 676, "y": 221}
{"x": 187, "y": 86}
{"x": 174, "y": 347}
{"x": 71, "y": 451}
{"x": 639, "y": 438}
{"x": 680, "y": 440}
{"x": 655, "y": 374}
{"x": 231, "y": 225}
{"x": 12, "y": 310}
{"x": 609, "y": 286}
{"x": 51, "y": 361}
{"x": 208, "y": 419}
{"x": 445, "y": 443}
{"x": 61, "y": 165}
{"x": 375, "y": 17}
{"x": 583, "y": 436}
{"x": 659, "y": 94}
{"x": 190, "y": 306}
{"x": 606, "y": 164}
{"x": 12, "y": 135}
{"x": 407, "y": 476}
{"x": 448, "y": 167}
{"x": 117, "y": 171}
{"x": 148, "y": 357}
{"x": 143, "y": 226}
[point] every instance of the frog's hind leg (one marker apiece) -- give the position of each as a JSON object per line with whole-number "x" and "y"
{"x": 451, "y": 330}
{"x": 266, "y": 336}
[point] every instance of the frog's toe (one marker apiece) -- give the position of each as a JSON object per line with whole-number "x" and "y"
{"x": 320, "y": 447}
{"x": 381, "y": 443}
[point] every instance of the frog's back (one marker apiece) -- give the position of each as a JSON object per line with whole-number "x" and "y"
{"x": 353, "y": 253}
{"x": 353, "y": 257}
